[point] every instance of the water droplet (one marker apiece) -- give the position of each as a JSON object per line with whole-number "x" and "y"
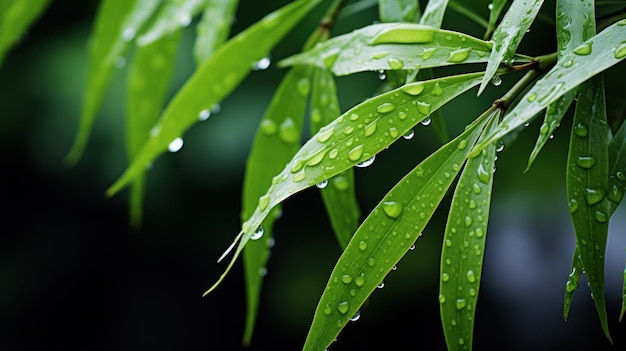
{"x": 385, "y": 107}
{"x": 413, "y": 89}
{"x": 572, "y": 205}
{"x": 460, "y": 304}
{"x": 346, "y": 279}
{"x": 262, "y": 64}
{"x": 184, "y": 20}
{"x": 298, "y": 177}
{"x": 426, "y": 121}
{"x": 437, "y": 90}
{"x": 379, "y": 55}
{"x": 544, "y": 129}
{"x": 402, "y": 115}
{"x": 593, "y": 196}
{"x": 583, "y": 49}
{"x": 288, "y": 131}
{"x": 468, "y": 221}
{"x": 483, "y": 175}
{"x": 262, "y": 271}
{"x": 531, "y": 97}
{"x": 499, "y": 146}
{"x": 462, "y": 144}
{"x": 479, "y": 233}
{"x": 621, "y": 176}
{"x": 428, "y": 53}
{"x": 581, "y": 130}
{"x": 175, "y": 145}
{"x": 620, "y": 52}
{"x": 423, "y": 108}
{"x": 327, "y": 310}
{"x": 120, "y": 62}
{"x": 445, "y": 277}
{"x": 362, "y": 245}
{"x": 496, "y": 80}
{"x": 382, "y": 75}
{"x": 348, "y": 130}
{"x": 461, "y": 341}
{"x": 459, "y": 55}
{"x": 568, "y": 63}
{"x": 600, "y": 216}
{"x": 356, "y": 153}
{"x": 360, "y": 280}
{"x": 264, "y": 201}
{"x": 303, "y": 86}
{"x": 615, "y": 194}
{"x": 476, "y": 188}
{"x": 393, "y": 209}
{"x": 409, "y": 135}
{"x": 442, "y": 299}
{"x": 471, "y": 277}
{"x": 129, "y": 34}
{"x": 324, "y": 134}
{"x": 393, "y": 132}
{"x": 322, "y": 184}
{"x": 490, "y": 6}
{"x": 395, "y": 63}
{"x": 355, "y": 317}
{"x": 401, "y": 35}
{"x": 366, "y": 162}
{"x": 585, "y": 161}
{"x": 381, "y": 285}
{"x": 205, "y": 114}
{"x": 343, "y": 307}
{"x": 258, "y": 233}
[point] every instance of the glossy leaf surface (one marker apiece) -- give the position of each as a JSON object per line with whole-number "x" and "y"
{"x": 398, "y": 10}
{"x": 433, "y": 13}
{"x": 171, "y": 16}
{"x": 213, "y": 28}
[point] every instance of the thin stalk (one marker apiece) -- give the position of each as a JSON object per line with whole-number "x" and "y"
{"x": 328, "y": 21}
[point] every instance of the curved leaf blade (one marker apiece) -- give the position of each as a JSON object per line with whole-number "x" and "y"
{"x": 464, "y": 246}
{"x": 393, "y": 46}
{"x": 171, "y": 16}
{"x": 576, "y": 273}
{"x": 214, "y": 80}
{"x": 385, "y": 236}
{"x": 617, "y": 169}
{"x": 433, "y": 13}
{"x": 573, "y": 69}
{"x": 509, "y": 34}
{"x": 494, "y": 15}
{"x": 398, "y": 10}
{"x": 16, "y": 16}
{"x": 213, "y": 28}
{"x": 587, "y": 175}
{"x": 355, "y": 136}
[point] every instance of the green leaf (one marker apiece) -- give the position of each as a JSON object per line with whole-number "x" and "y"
{"x": 172, "y": 16}
{"x": 213, "y": 80}
{"x": 590, "y": 58}
{"x": 338, "y": 192}
{"x": 147, "y": 85}
{"x": 398, "y": 10}
{"x": 354, "y": 137}
{"x": 587, "y": 175}
{"x": 623, "y": 310}
{"x": 509, "y": 34}
{"x": 393, "y": 46}
{"x": 617, "y": 169}
{"x": 276, "y": 141}
{"x": 213, "y": 28}
{"x": 464, "y": 246}
{"x": 572, "y": 29}
{"x": 16, "y": 16}
{"x": 433, "y": 13}
{"x": 576, "y": 273}
{"x": 385, "y": 236}
{"x": 116, "y": 25}
{"x": 495, "y": 10}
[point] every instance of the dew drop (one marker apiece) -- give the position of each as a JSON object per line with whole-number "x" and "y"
{"x": 531, "y": 97}
{"x": 288, "y": 131}
{"x": 426, "y": 121}
{"x": 568, "y": 63}
{"x": 258, "y": 233}
{"x": 423, "y": 108}
{"x": 471, "y": 277}
{"x": 615, "y": 194}
{"x": 328, "y": 310}
{"x": 496, "y": 80}
{"x": 459, "y": 55}
{"x": 479, "y": 233}
{"x": 499, "y": 146}
{"x": 583, "y": 49}
{"x": 442, "y": 299}
{"x": 360, "y": 280}
{"x": 395, "y": 63}
{"x": 593, "y": 196}
{"x": 581, "y": 130}
{"x": 362, "y": 245}
{"x": 490, "y": 6}
{"x": 409, "y": 135}
{"x": 468, "y": 221}
{"x": 428, "y": 53}
{"x": 370, "y": 128}
{"x": 544, "y": 129}
{"x": 460, "y": 304}
{"x": 462, "y": 144}
{"x": 402, "y": 115}
{"x": 262, "y": 64}
{"x": 175, "y": 145}
{"x": 324, "y": 134}
{"x": 586, "y": 161}
{"x": 322, "y": 184}
{"x": 343, "y": 307}
{"x": 382, "y": 75}
{"x": 129, "y": 34}
{"x": 205, "y": 114}
{"x": 437, "y": 90}
{"x": 356, "y": 153}
{"x": 600, "y": 216}
{"x": 355, "y": 317}
{"x": 303, "y": 86}
{"x": 381, "y": 285}
{"x": 184, "y": 20}
{"x": 620, "y": 52}
{"x": 445, "y": 277}
{"x": 572, "y": 205}
{"x": 476, "y": 188}
{"x": 298, "y": 177}
{"x": 413, "y": 89}
{"x": 393, "y": 132}
{"x": 621, "y": 176}
{"x": 393, "y": 209}
{"x": 264, "y": 202}
{"x": 379, "y": 55}
{"x": 483, "y": 175}
{"x": 385, "y": 107}
{"x": 346, "y": 279}
{"x": 366, "y": 162}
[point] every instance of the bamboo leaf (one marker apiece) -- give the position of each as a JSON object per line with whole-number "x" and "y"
{"x": 574, "y": 20}
{"x": 147, "y": 85}
{"x": 172, "y": 16}
{"x": 398, "y": 10}
{"x": 464, "y": 246}
{"x": 353, "y": 138}
{"x": 617, "y": 169}
{"x": 116, "y": 25}
{"x": 276, "y": 141}
{"x": 495, "y": 9}
{"x": 338, "y": 192}
{"x": 576, "y": 273}
{"x": 433, "y": 13}
{"x": 214, "y": 80}
{"x": 385, "y": 236}
{"x": 590, "y": 58}
{"x": 587, "y": 175}
{"x": 213, "y": 28}
{"x": 16, "y": 16}
{"x": 509, "y": 34}
{"x": 393, "y": 46}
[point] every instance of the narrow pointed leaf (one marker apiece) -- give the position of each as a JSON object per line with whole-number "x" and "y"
{"x": 464, "y": 246}
{"x": 276, "y": 141}
{"x": 433, "y": 13}
{"x": 148, "y": 83}
{"x": 393, "y": 46}
{"x": 576, "y": 273}
{"x": 590, "y": 58}
{"x": 617, "y": 169}
{"x": 214, "y": 80}
{"x": 115, "y": 27}
{"x": 355, "y": 136}
{"x": 575, "y": 24}
{"x": 495, "y": 10}
{"x": 16, "y": 16}
{"x": 385, "y": 236}
{"x": 398, "y": 10}
{"x": 338, "y": 193}
{"x": 587, "y": 175}
{"x": 509, "y": 34}
{"x": 172, "y": 16}
{"x": 213, "y": 28}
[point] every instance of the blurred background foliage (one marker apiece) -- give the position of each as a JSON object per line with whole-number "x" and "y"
{"x": 74, "y": 276}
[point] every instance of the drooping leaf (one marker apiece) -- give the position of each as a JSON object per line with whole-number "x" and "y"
{"x": 587, "y": 175}
{"x": 338, "y": 192}
{"x": 213, "y": 28}
{"x": 148, "y": 82}
{"x": 585, "y": 61}
{"x": 398, "y": 10}
{"x": 171, "y": 17}
{"x": 393, "y": 46}
{"x": 464, "y": 246}
{"x": 117, "y": 23}
{"x": 576, "y": 273}
{"x": 385, "y": 236}
{"x": 495, "y": 10}
{"x": 509, "y": 34}
{"x": 276, "y": 141}
{"x": 433, "y": 13}
{"x": 16, "y": 16}
{"x": 575, "y": 24}
{"x": 354, "y": 137}
{"x": 213, "y": 80}
{"x": 617, "y": 169}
